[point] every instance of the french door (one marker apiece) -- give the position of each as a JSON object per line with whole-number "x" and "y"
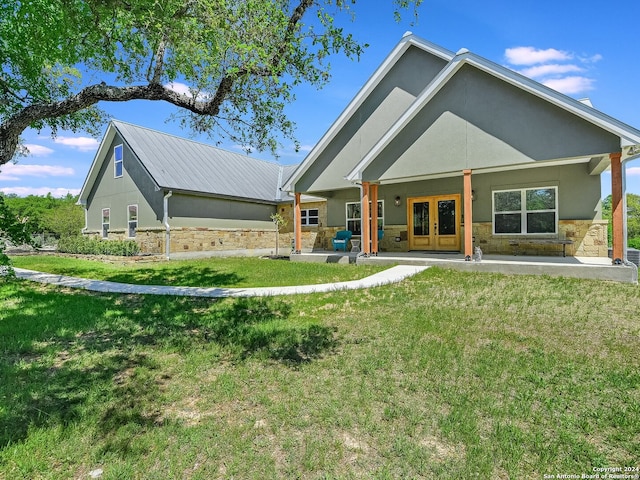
{"x": 434, "y": 223}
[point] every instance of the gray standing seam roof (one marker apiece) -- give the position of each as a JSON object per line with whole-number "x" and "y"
{"x": 177, "y": 163}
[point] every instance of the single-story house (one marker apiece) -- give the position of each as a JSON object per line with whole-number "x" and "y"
{"x": 172, "y": 194}
{"x": 448, "y": 151}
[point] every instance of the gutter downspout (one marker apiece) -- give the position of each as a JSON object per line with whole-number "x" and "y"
{"x": 86, "y": 215}
{"x": 86, "y": 220}
{"x": 165, "y": 220}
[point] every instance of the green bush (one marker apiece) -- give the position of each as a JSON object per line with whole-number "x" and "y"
{"x": 92, "y": 246}
{"x": 634, "y": 243}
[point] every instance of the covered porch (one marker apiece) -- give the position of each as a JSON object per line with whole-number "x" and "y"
{"x": 593, "y": 268}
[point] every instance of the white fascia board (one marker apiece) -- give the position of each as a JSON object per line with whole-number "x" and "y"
{"x": 361, "y": 96}
{"x": 98, "y": 159}
{"x": 428, "y": 93}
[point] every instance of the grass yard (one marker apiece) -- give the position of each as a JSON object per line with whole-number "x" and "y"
{"x": 446, "y": 375}
{"x": 235, "y": 272}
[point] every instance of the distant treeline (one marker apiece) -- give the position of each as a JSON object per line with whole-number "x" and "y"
{"x": 47, "y": 214}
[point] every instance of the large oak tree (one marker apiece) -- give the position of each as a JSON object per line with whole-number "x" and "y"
{"x": 241, "y": 60}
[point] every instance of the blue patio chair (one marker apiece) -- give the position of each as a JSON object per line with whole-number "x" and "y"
{"x": 341, "y": 240}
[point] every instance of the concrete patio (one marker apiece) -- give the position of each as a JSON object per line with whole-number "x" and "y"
{"x": 595, "y": 268}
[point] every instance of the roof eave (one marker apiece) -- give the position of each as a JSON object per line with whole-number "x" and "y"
{"x": 402, "y": 46}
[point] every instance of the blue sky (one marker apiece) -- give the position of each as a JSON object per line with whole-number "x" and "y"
{"x": 582, "y": 48}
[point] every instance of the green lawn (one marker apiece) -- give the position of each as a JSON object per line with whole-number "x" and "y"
{"x": 446, "y": 375}
{"x": 211, "y": 272}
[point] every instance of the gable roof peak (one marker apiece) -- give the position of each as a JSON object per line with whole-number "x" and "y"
{"x": 408, "y": 33}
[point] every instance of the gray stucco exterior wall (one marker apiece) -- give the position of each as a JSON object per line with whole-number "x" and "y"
{"x": 371, "y": 120}
{"x": 578, "y": 193}
{"x": 478, "y": 121}
{"x": 135, "y": 187}
{"x": 199, "y": 211}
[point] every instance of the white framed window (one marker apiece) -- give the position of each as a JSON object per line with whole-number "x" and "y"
{"x": 309, "y": 217}
{"x": 525, "y": 211}
{"x": 354, "y": 216}
{"x": 106, "y": 215}
{"x": 132, "y": 219}
{"x": 117, "y": 161}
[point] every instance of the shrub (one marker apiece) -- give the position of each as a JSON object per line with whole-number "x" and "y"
{"x": 92, "y": 246}
{"x": 634, "y": 243}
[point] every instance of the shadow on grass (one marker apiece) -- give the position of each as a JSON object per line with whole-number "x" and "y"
{"x": 186, "y": 276}
{"x": 73, "y": 357}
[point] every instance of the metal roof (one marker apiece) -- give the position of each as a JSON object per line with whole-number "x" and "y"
{"x": 180, "y": 164}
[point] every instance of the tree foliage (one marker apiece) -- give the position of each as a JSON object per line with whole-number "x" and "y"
{"x": 241, "y": 60}
{"x": 633, "y": 218}
{"x": 12, "y": 230}
{"x": 47, "y": 214}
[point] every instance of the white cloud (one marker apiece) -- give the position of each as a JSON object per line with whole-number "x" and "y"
{"x": 305, "y": 148}
{"x": 570, "y": 85}
{"x": 592, "y": 59}
{"x": 13, "y": 171}
{"x": 8, "y": 178}
{"x": 633, "y": 172}
{"x": 38, "y": 150}
{"x": 550, "y": 69}
{"x": 184, "y": 89}
{"x": 178, "y": 87}
{"x": 553, "y": 68}
{"x": 533, "y": 56}
{"x": 84, "y": 144}
{"x": 41, "y": 191}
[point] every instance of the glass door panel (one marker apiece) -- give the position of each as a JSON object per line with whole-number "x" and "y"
{"x": 447, "y": 217}
{"x": 421, "y": 218}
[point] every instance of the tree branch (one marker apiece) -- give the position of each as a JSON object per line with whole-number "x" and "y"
{"x": 13, "y": 126}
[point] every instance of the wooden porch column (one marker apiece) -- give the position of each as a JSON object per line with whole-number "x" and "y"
{"x": 617, "y": 213}
{"x": 297, "y": 224}
{"x": 365, "y": 225}
{"x": 374, "y": 219}
{"x": 468, "y": 217}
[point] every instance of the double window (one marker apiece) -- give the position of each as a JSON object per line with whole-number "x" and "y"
{"x": 106, "y": 214}
{"x": 117, "y": 161}
{"x": 309, "y": 217}
{"x": 354, "y": 216}
{"x": 132, "y": 219}
{"x": 525, "y": 211}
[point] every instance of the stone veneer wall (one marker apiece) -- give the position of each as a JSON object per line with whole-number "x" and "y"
{"x": 589, "y": 237}
{"x": 197, "y": 239}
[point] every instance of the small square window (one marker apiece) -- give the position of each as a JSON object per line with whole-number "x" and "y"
{"x": 309, "y": 217}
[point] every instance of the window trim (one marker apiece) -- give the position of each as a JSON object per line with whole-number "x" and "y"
{"x": 108, "y": 224}
{"x": 523, "y": 211}
{"x": 129, "y": 221}
{"x": 117, "y": 162}
{"x": 305, "y": 217}
{"x": 359, "y": 219}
